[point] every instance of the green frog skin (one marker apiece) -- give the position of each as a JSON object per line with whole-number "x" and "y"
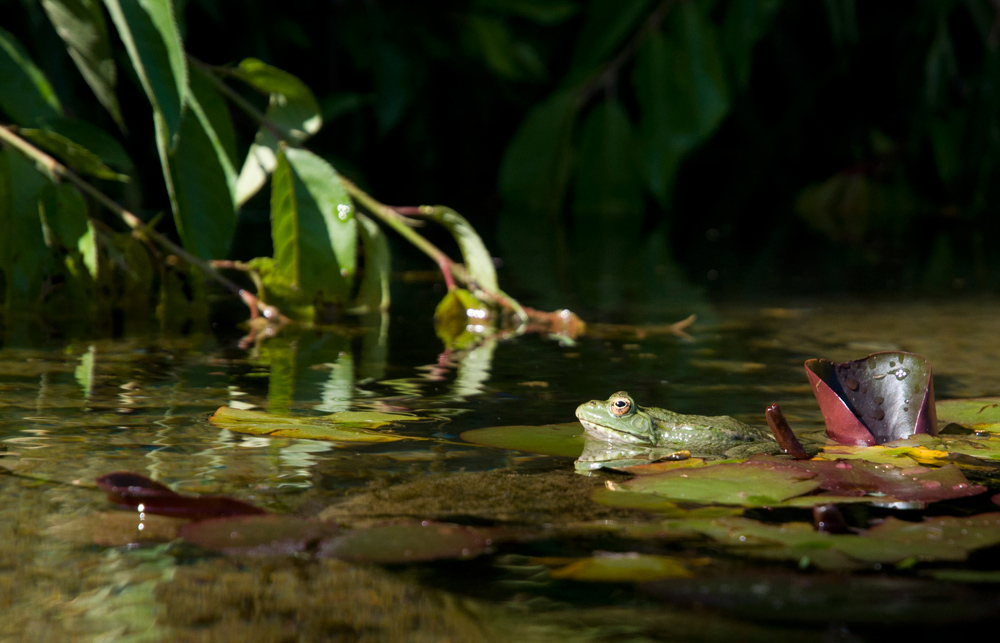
{"x": 619, "y": 419}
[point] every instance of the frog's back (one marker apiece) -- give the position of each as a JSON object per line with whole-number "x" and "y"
{"x": 709, "y": 435}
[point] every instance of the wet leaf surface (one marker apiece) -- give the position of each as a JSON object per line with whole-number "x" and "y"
{"x": 344, "y": 426}
{"x": 979, "y": 414}
{"x": 550, "y": 439}
{"x": 132, "y": 490}
{"x": 974, "y": 453}
{"x": 881, "y": 398}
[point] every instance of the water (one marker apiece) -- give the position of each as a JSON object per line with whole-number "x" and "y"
{"x": 75, "y": 410}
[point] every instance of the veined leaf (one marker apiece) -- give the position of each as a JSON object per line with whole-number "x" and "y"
{"x": 291, "y": 106}
{"x": 81, "y": 25}
{"x": 25, "y": 94}
{"x": 313, "y": 226}
{"x": 149, "y": 33}
{"x": 536, "y": 164}
{"x": 374, "y": 291}
{"x": 72, "y": 154}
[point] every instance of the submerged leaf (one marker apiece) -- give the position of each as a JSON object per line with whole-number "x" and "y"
{"x": 548, "y": 439}
{"x": 269, "y": 535}
{"x": 408, "y": 543}
{"x": 884, "y": 397}
{"x": 461, "y": 318}
{"x": 343, "y": 426}
{"x": 132, "y": 491}
{"x": 628, "y": 567}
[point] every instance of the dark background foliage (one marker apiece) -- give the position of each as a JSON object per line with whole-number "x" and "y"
{"x": 855, "y": 149}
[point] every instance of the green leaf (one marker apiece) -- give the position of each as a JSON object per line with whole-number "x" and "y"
{"x": 628, "y": 567}
{"x": 149, "y": 33}
{"x": 608, "y": 24}
{"x": 494, "y": 43}
{"x": 744, "y": 24}
{"x": 291, "y": 107}
{"x": 72, "y": 154}
{"x": 373, "y": 294}
{"x": 67, "y": 228}
{"x": 81, "y": 25}
{"x": 461, "y": 319}
{"x": 540, "y": 11}
{"x": 25, "y": 94}
{"x": 313, "y": 226}
{"x": 548, "y": 439}
{"x": 24, "y": 257}
{"x": 727, "y": 484}
{"x": 607, "y": 183}
{"x": 408, "y": 543}
{"x": 88, "y": 136}
{"x": 476, "y": 257}
{"x": 980, "y": 413}
{"x": 344, "y": 426}
{"x": 536, "y": 165}
{"x": 682, "y": 92}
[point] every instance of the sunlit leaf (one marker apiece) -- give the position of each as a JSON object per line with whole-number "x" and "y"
{"x": 81, "y": 25}
{"x": 622, "y": 568}
{"x": 547, "y": 439}
{"x": 475, "y": 256}
{"x": 68, "y": 229}
{"x": 971, "y": 452}
{"x": 884, "y": 397}
{"x": 536, "y": 165}
{"x": 25, "y": 94}
{"x": 72, "y": 154}
{"x": 728, "y": 484}
{"x": 268, "y": 535}
{"x": 980, "y": 414}
{"x": 408, "y": 543}
{"x": 291, "y": 107}
{"x": 460, "y": 319}
{"x": 343, "y": 426}
{"x": 373, "y": 293}
{"x": 313, "y": 227}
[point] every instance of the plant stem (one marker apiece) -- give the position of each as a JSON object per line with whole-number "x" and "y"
{"x": 58, "y": 171}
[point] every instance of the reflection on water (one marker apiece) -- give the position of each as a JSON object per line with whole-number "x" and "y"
{"x": 75, "y": 411}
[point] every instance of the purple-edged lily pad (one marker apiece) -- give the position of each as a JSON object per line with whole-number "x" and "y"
{"x": 268, "y": 535}
{"x": 883, "y": 397}
{"x": 131, "y": 490}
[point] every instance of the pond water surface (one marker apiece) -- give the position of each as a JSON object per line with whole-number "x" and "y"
{"x": 72, "y": 567}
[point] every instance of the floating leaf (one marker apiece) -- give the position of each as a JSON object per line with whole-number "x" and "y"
{"x": 132, "y": 490}
{"x": 979, "y": 414}
{"x": 269, "y": 535}
{"x": 408, "y": 543}
{"x": 548, "y": 439}
{"x": 628, "y": 567}
{"x": 884, "y": 397}
{"x": 343, "y": 426}
{"x": 729, "y": 484}
{"x": 598, "y": 454}
{"x": 968, "y": 452}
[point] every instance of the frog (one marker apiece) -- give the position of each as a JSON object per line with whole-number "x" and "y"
{"x": 620, "y": 420}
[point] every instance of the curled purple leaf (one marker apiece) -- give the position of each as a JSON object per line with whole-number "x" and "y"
{"x": 132, "y": 490}
{"x": 881, "y": 398}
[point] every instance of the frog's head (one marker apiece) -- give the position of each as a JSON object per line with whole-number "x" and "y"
{"x": 618, "y": 419}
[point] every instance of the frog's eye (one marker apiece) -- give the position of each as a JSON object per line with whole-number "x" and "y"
{"x": 620, "y": 406}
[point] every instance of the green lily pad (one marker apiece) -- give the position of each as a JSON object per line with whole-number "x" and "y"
{"x": 980, "y": 413}
{"x": 657, "y": 504}
{"x": 727, "y": 484}
{"x": 968, "y": 452}
{"x": 631, "y": 567}
{"x": 548, "y": 439}
{"x": 344, "y": 426}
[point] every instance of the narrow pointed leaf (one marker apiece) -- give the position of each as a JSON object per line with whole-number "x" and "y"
{"x": 81, "y": 25}
{"x": 475, "y": 256}
{"x": 373, "y": 294}
{"x": 25, "y": 94}
{"x": 68, "y": 229}
{"x": 292, "y": 107}
{"x": 72, "y": 154}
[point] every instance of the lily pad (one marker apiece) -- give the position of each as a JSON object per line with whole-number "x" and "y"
{"x": 408, "y": 543}
{"x": 270, "y": 535}
{"x": 881, "y": 398}
{"x": 135, "y": 491}
{"x": 979, "y": 414}
{"x": 976, "y": 453}
{"x": 629, "y": 567}
{"x": 727, "y": 484}
{"x": 548, "y": 439}
{"x": 343, "y": 426}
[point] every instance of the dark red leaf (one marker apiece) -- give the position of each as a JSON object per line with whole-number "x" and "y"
{"x": 828, "y": 520}
{"x": 884, "y": 397}
{"x": 131, "y": 490}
